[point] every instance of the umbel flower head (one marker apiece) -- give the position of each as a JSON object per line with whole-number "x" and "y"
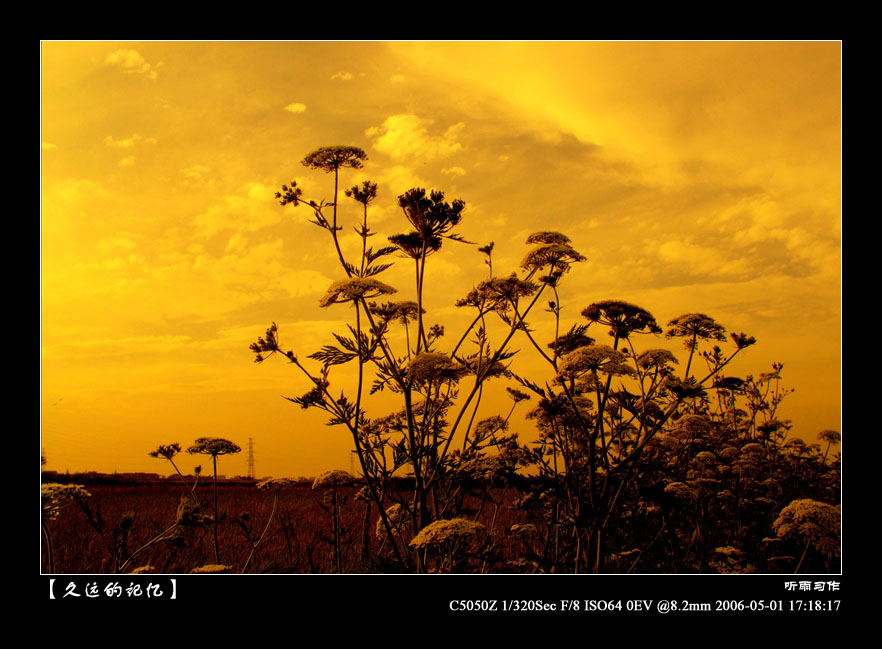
{"x": 812, "y": 522}
{"x": 454, "y": 529}
{"x": 656, "y": 358}
{"x": 332, "y": 479}
{"x": 621, "y": 317}
{"x": 682, "y": 492}
{"x": 499, "y": 290}
{"x": 549, "y": 237}
{"x": 332, "y": 158}
{"x": 348, "y": 290}
{"x": 402, "y": 312}
{"x": 275, "y": 484}
{"x": 214, "y": 446}
{"x": 593, "y": 358}
{"x": 695, "y": 327}
{"x": 432, "y": 366}
{"x": 57, "y": 496}
{"x": 554, "y": 250}
{"x": 832, "y": 437}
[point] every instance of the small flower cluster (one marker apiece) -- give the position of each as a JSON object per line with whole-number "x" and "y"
{"x": 517, "y": 395}
{"x": 168, "y": 451}
{"x": 397, "y": 516}
{"x": 189, "y": 514}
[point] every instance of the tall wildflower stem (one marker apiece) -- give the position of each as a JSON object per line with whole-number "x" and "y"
{"x": 375, "y": 494}
{"x": 156, "y": 539}
{"x": 49, "y": 551}
{"x": 216, "y": 514}
{"x": 334, "y": 227}
{"x": 517, "y": 323}
{"x": 263, "y": 534}
{"x": 190, "y": 490}
{"x": 214, "y": 447}
{"x": 421, "y": 334}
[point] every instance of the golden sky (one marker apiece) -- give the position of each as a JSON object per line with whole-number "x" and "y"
{"x": 695, "y": 177}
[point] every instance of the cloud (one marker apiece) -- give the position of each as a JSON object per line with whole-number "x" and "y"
{"x": 696, "y": 259}
{"x": 250, "y": 209}
{"x": 195, "y": 175}
{"x": 108, "y": 347}
{"x": 128, "y": 161}
{"x": 397, "y": 78}
{"x": 132, "y": 62}
{"x": 110, "y": 244}
{"x": 129, "y": 142}
{"x": 454, "y": 171}
{"x": 403, "y": 136}
{"x": 399, "y": 179}
{"x": 47, "y": 146}
{"x": 342, "y": 76}
{"x": 296, "y": 108}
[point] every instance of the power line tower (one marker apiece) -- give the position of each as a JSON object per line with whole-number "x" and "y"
{"x": 251, "y": 458}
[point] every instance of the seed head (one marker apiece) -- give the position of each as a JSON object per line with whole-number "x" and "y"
{"x": 168, "y": 451}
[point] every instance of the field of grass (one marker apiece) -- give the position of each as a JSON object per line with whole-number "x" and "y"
{"x": 120, "y": 519}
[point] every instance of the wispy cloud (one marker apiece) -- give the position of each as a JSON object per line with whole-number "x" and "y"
{"x": 403, "y": 136}
{"x": 342, "y": 76}
{"x": 196, "y": 175}
{"x": 128, "y": 142}
{"x": 296, "y": 108}
{"x": 108, "y": 347}
{"x": 249, "y": 209}
{"x": 132, "y": 62}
